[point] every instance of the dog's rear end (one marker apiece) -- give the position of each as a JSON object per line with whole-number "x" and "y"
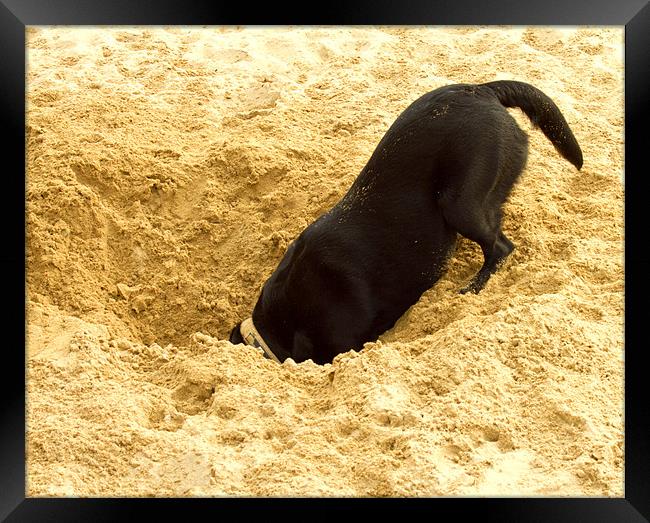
{"x": 483, "y": 175}
{"x": 542, "y": 112}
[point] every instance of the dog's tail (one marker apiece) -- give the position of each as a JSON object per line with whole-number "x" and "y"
{"x": 542, "y": 112}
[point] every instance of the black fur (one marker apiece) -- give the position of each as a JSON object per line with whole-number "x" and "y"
{"x": 445, "y": 167}
{"x": 235, "y": 334}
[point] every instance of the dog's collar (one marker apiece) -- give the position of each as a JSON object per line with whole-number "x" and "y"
{"x": 252, "y": 337}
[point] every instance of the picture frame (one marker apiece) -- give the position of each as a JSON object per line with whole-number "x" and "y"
{"x": 16, "y": 15}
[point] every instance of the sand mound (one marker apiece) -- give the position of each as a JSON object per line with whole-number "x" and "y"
{"x": 168, "y": 169}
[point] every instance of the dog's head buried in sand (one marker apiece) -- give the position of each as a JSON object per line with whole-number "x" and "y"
{"x": 445, "y": 167}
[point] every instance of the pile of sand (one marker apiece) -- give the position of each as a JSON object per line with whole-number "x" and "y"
{"x": 168, "y": 169}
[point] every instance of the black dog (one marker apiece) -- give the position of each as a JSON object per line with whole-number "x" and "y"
{"x": 445, "y": 166}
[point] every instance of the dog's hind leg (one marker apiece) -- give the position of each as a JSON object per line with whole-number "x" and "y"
{"x": 484, "y": 174}
{"x": 493, "y": 259}
{"x": 480, "y": 223}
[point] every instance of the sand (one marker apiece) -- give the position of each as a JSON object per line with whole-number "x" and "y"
{"x": 168, "y": 169}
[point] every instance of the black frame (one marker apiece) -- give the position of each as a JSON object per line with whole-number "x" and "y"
{"x": 15, "y": 15}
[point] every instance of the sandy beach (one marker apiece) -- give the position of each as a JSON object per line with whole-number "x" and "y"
{"x": 168, "y": 168}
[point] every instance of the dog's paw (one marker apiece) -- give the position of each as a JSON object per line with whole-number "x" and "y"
{"x": 471, "y": 287}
